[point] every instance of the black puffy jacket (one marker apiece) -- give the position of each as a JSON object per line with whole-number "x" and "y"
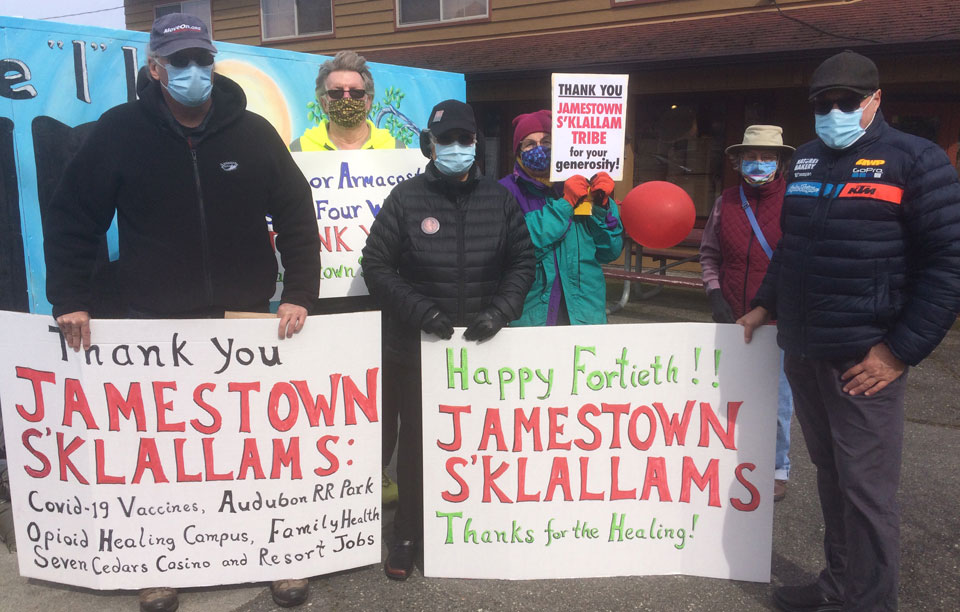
{"x": 191, "y": 213}
{"x": 457, "y": 246}
{"x": 870, "y": 250}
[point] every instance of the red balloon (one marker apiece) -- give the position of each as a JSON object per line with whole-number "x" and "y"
{"x": 658, "y": 214}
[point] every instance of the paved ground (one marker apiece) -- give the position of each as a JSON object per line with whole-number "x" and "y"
{"x": 931, "y": 548}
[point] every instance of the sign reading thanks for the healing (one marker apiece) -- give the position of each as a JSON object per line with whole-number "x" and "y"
{"x": 600, "y": 451}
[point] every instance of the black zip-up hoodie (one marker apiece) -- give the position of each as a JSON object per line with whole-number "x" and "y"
{"x": 190, "y": 211}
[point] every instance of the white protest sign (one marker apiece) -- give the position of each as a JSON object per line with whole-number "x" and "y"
{"x": 585, "y": 451}
{"x": 192, "y": 453}
{"x": 348, "y": 189}
{"x": 589, "y": 118}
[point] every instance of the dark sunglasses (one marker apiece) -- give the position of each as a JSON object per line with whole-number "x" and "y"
{"x": 182, "y": 59}
{"x": 847, "y": 104}
{"x": 464, "y": 138}
{"x": 355, "y": 94}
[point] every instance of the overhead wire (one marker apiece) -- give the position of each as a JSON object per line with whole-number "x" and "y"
{"x": 83, "y": 13}
{"x": 821, "y": 30}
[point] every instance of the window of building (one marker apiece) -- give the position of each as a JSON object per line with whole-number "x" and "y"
{"x": 419, "y": 12}
{"x": 682, "y": 142}
{"x": 197, "y": 8}
{"x": 292, "y": 18}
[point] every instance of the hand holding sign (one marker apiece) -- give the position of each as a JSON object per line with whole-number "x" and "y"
{"x": 601, "y": 188}
{"x": 575, "y": 190}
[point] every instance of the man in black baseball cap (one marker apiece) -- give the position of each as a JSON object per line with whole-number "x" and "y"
{"x": 452, "y": 114}
{"x": 845, "y": 91}
{"x": 450, "y": 139}
{"x": 448, "y": 248}
{"x": 848, "y": 71}
{"x": 862, "y": 285}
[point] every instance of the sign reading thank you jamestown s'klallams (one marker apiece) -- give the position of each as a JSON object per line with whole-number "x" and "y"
{"x": 191, "y": 453}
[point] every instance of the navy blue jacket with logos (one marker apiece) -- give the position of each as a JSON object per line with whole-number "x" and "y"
{"x": 870, "y": 250}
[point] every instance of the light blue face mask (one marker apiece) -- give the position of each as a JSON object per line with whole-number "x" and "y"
{"x": 190, "y": 85}
{"x": 455, "y": 159}
{"x": 839, "y": 130}
{"x": 758, "y": 172}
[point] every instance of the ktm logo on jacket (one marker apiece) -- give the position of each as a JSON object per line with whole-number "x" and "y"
{"x": 875, "y": 191}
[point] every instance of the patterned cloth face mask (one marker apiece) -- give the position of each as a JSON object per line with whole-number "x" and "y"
{"x": 536, "y": 159}
{"x": 758, "y": 172}
{"x": 347, "y": 112}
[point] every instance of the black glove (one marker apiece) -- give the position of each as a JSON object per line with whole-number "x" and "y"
{"x": 485, "y": 325}
{"x": 438, "y": 324}
{"x": 720, "y": 307}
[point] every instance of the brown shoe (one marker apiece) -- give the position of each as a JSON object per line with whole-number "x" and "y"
{"x": 159, "y": 599}
{"x": 289, "y": 593}
{"x": 779, "y": 490}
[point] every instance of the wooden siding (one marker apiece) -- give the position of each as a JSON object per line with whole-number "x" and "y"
{"x": 369, "y": 24}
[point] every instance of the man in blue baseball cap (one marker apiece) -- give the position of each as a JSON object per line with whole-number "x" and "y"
{"x": 190, "y": 176}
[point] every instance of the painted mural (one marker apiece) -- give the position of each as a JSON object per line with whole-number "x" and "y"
{"x": 55, "y": 79}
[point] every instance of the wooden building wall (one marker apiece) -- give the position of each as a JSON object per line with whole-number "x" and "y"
{"x": 370, "y": 24}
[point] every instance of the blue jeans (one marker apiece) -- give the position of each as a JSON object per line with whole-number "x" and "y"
{"x": 781, "y": 468}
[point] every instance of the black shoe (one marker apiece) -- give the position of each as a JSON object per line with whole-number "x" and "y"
{"x": 289, "y": 593}
{"x": 159, "y": 599}
{"x": 399, "y": 563}
{"x": 806, "y": 598}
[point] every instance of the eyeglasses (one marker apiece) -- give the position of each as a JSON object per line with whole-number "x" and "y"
{"x": 464, "y": 138}
{"x": 526, "y": 145}
{"x": 182, "y": 59}
{"x": 763, "y": 157}
{"x": 355, "y": 94}
{"x": 846, "y": 104}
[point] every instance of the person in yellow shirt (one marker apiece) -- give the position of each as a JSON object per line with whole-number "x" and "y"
{"x": 345, "y": 92}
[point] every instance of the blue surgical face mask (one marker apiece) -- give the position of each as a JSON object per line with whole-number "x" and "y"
{"x": 758, "y": 172}
{"x": 190, "y": 85}
{"x": 455, "y": 159}
{"x": 839, "y": 130}
{"x": 536, "y": 159}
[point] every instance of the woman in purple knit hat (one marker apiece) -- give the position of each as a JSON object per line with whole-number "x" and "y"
{"x": 569, "y": 288}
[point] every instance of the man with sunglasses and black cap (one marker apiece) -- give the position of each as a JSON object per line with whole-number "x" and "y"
{"x": 191, "y": 176}
{"x": 449, "y": 248}
{"x": 864, "y": 283}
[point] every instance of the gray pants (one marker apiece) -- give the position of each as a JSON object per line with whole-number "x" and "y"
{"x": 856, "y": 443}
